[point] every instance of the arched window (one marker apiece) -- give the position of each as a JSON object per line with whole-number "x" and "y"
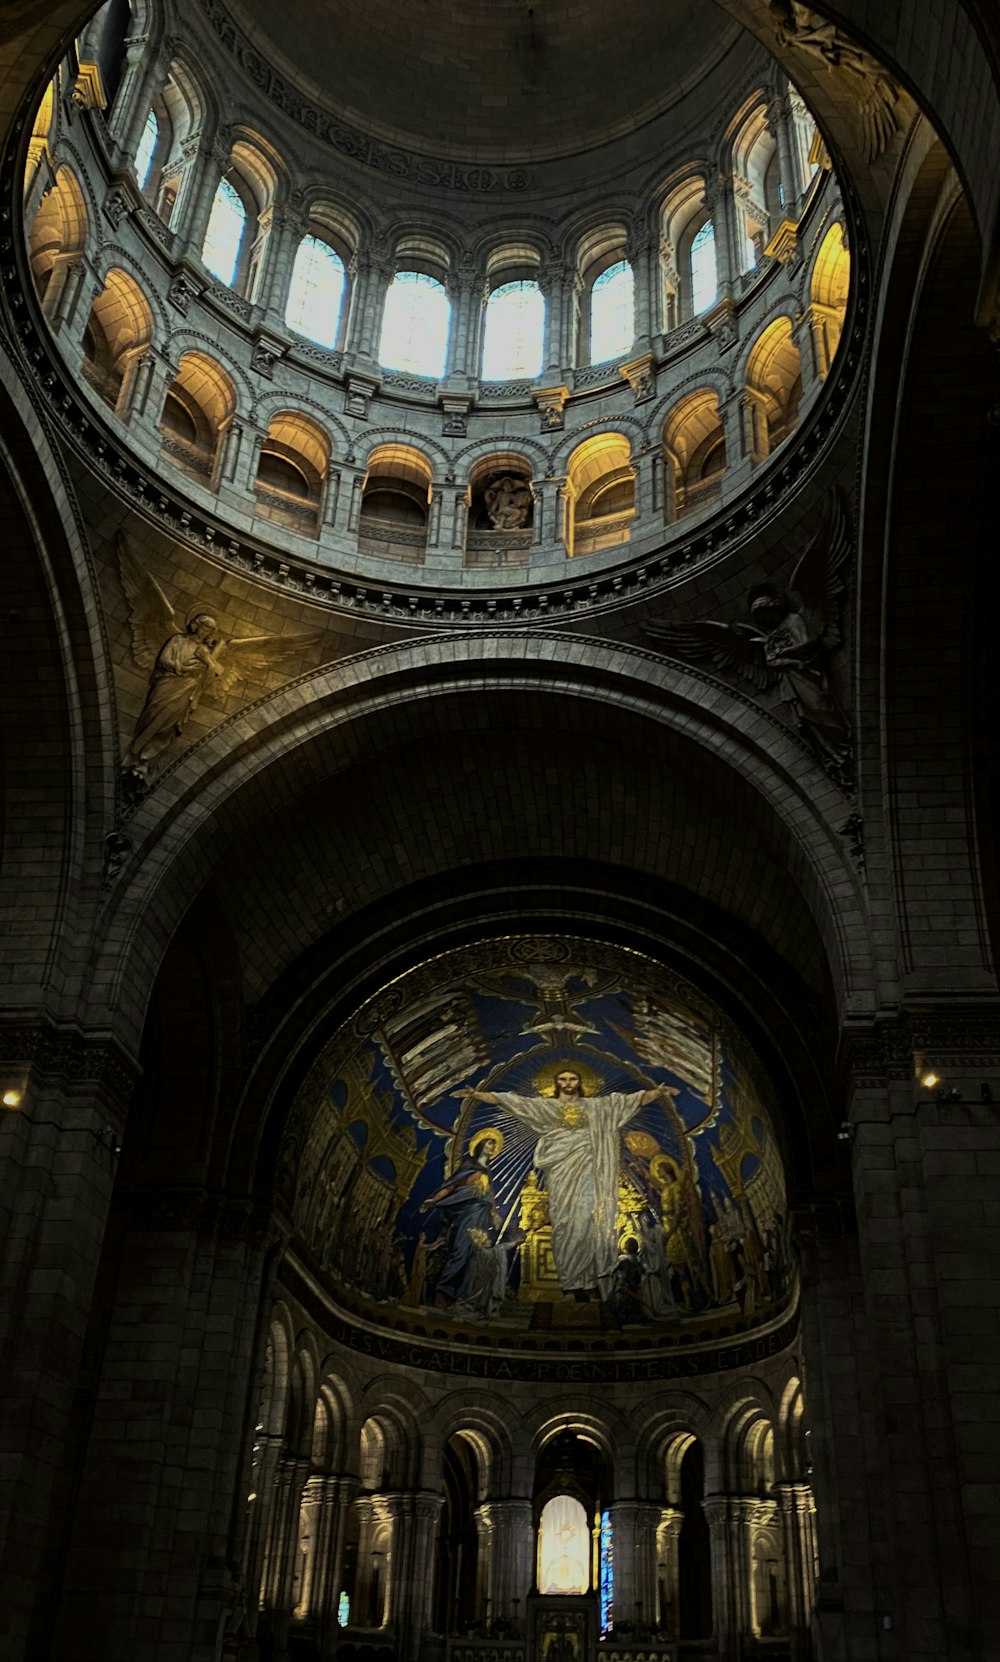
{"x": 563, "y": 1547}
{"x": 223, "y": 239}
{"x": 513, "y": 334}
{"x": 316, "y": 294}
{"x": 704, "y": 275}
{"x": 146, "y": 151}
{"x": 415, "y": 325}
{"x": 612, "y": 313}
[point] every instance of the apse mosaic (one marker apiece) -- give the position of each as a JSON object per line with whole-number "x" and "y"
{"x": 539, "y": 1134}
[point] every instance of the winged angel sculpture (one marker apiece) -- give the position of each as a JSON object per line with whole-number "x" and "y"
{"x": 786, "y": 642}
{"x": 874, "y": 94}
{"x": 185, "y": 656}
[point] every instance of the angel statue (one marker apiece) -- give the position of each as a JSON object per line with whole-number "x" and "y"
{"x": 185, "y": 656}
{"x": 786, "y": 642}
{"x": 875, "y": 95}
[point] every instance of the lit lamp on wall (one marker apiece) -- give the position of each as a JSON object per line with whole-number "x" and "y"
{"x": 12, "y": 1097}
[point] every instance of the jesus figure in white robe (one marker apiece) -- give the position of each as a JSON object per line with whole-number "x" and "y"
{"x": 578, "y": 1153}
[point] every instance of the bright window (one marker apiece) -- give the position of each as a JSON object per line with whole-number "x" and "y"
{"x": 415, "y": 325}
{"x": 563, "y": 1547}
{"x": 607, "y": 1588}
{"x": 612, "y": 313}
{"x": 704, "y": 278}
{"x": 514, "y": 331}
{"x": 316, "y": 293}
{"x": 146, "y": 151}
{"x": 226, "y": 225}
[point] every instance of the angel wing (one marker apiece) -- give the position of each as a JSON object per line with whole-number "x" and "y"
{"x": 151, "y": 618}
{"x": 264, "y": 653}
{"x": 736, "y": 647}
{"x": 816, "y": 584}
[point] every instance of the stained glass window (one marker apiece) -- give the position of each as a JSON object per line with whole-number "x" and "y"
{"x": 607, "y": 1586}
{"x": 704, "y": 277}
{"x": 344, "y": 1610}
{"x": 513, "y": 334}
{"x": 316, "y": 293}
{"x": 612, "y": 313}
{"x": 146, "y": 151}
{"x": 415, "y": 325}
{"x": 226, "y": 225}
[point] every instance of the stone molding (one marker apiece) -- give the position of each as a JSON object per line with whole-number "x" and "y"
{"x": 68, "y": 1056}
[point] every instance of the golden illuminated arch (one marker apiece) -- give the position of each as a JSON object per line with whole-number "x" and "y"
{"x": 694, "y": 445}
{"x": 828, "y": 291}
{"x": 600, "y": 494}
{"x": 774, "y": 382}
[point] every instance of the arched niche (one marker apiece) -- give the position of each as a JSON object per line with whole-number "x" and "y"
{"x": 600, "y": 494}
{"x": 199, "y": 406}
{"x": 501, "y": 511}
{"x": 694, "y": 445}
{"x": 291, "y": 472}
{"x": 774, "y": 383}
{"x": 828, "y": 291}
{"x": 118, "y": 332}
{"x": 56, "y": 242}
{"x": 395, "y": 503}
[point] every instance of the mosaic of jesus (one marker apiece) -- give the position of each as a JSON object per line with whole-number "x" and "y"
{"x": 537, "y": 1134}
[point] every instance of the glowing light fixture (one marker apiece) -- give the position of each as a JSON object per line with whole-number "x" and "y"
{"x": 12, "y": 1099}
{"x": 929, "y": 1080}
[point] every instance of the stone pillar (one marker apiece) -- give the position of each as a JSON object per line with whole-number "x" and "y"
{"x": 798, "y": 1534}
{"x": 512, "y": 1565}
{"x": 329, "y": 1498}
{"x": 668, "y": 1536}
{"x": 641, "y": 250}
{"x": 552, "y": 282}
{"x": 361, "y": 1610}
{"x": 634, "y": 1532}
{"x": 484, "y": 1611}
{"x": 805, "y": 340}
{"x": 411, "y": 1581}
{"x": 571, "y": 349}
{"x": 719, "y": 202}
{"x": 378, "y": 275}
{"x": 284, "y": 230}
{"x": 779, "y": 122}
{"x": 58, "y": 1162}
{"x": 144, "y": 76}
{"x": 726, "y": 1516}
{"x": 257, "y": 1543}
{"x": 69, "y": 296}
{"x": 467, "y": 303}
{"x": 289, "y": 1482}
{"x": 201, "y": 181}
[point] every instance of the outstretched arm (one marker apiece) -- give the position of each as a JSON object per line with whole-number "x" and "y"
{"x": 470, "y": 1095}
{"x": 654, "y": 1095}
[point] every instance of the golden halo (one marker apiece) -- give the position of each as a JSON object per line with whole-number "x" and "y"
{"x": 663, "y": 1169}
{"x": 489, "y": 1134}
{"x": 545, "y": 1079}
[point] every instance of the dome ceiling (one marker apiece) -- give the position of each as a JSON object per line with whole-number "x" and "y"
{"x": 501, "y": 81}
{"x": 538, "y": 1136}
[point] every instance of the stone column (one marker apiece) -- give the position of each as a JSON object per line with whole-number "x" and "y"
{"x": 805, "y": 340}
{"x": 719, "y": 202}
{"x": 411, "y": 1581}
{"x": 779, "y": 122}
{"x": 378, "y": 275}
{"x": 570, "y": 345}
{"x": 668, "y": 1536}
{"x": 285, "y": 230}
{"x": 642, "y": 247}
{"x": 512, "y": 1567}
{"x": 289, "y": 1482}
{"x": 798, "y": 1534}
{"x": 730, "y": 1573}
{"x": 484, "y": 1610}
{"x": 69, "y": 295}
{"x": 361, "y": 1611}
{"x": 331, "y": 1498}
{"x": 257, "y": 1545}
{"x": 58, "y": 1160}
{"x": 634, "y": 1530}
{"x": 552, "y": 282}
{"x": 194, "y": 206}
{"x": 144, "y": 76}
{"x": 467, "y": 302}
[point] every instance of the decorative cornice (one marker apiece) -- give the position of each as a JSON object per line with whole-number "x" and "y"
{"x": 568, "y": 1367}
{"x": 892, "y": 1050}
{"x": 69, "y": 1056}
